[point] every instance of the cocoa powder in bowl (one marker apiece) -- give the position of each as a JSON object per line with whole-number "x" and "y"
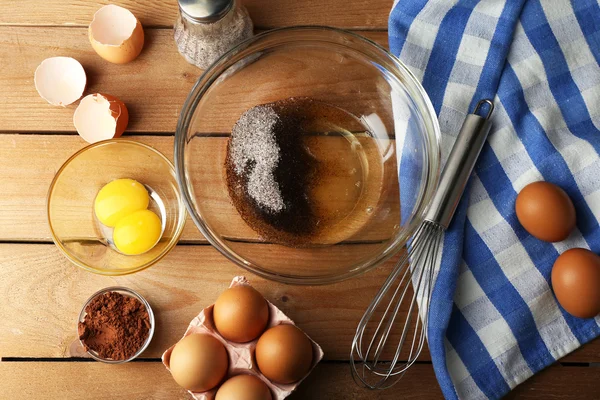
{"x": 115, "y": 326}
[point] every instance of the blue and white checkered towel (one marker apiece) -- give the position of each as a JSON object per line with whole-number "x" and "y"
{"x": 494, "y": 321}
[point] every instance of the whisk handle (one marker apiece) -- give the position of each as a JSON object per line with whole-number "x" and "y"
{"x": 459, "y": 166}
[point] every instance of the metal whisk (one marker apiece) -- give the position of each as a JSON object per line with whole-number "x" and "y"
{"x": 417, "y": 265}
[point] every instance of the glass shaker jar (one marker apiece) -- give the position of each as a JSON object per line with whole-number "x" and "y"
{"x": 206, "y": 29}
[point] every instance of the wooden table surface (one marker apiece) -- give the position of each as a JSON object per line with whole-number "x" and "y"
{"x": 41, "y": 292}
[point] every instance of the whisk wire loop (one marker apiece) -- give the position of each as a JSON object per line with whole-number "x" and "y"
{"x": 415, "y": 267}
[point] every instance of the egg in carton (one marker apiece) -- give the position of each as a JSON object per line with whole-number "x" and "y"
{"x": 241, "y": 355}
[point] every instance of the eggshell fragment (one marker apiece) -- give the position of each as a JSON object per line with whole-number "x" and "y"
{"x": 116, "y": 34}
{"x": 100, "y": 117}
{"x": 60, "y": 80}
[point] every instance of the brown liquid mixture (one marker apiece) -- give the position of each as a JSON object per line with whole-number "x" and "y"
{"x": 303, "y": 172}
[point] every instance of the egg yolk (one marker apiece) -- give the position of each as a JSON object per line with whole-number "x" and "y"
{"x": 137, "y": 233}
{"x": 118, "y": 199}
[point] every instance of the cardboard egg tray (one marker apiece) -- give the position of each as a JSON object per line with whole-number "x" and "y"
{"x": 241, "y": 355}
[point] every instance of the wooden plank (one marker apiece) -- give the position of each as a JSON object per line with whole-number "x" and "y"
{"x": 150, "y": 380}
{"x": 360, "y": 14}
{"x": 588, "y": 353}
{"x": 50, "y": 380}
{"x": 144, "y": 380}
{"x": 334, "y": 382}
{"x": 560, "y": 382}
{"x": 154, "y": 86}
{"x": 43, "y": 294}
{"x": 31, "y": 161}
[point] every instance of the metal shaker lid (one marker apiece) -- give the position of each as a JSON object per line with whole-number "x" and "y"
{"x": 204, "y": 10}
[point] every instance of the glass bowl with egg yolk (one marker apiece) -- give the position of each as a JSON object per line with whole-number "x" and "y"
{"x": 110, "y": 240}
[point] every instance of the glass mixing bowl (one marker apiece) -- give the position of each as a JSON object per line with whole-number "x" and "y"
{"x": 70, "y": 206}
{"x": 395, "y": 134}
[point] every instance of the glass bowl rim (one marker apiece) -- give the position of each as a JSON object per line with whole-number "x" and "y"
{"x": 180, "y": 207}
{"x": 432, "y": 137}
{"x": 133, "y": 294}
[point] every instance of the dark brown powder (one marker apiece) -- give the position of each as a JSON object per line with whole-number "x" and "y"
{"x": 115, "y": 326}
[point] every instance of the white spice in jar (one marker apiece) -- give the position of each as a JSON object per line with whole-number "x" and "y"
{"x": 202, "y": 39}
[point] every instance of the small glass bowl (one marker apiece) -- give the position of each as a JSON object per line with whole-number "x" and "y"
{"x": 70, "y": 205}
{"x": 126, "y": 292}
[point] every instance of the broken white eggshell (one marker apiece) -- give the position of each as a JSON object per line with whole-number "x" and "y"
{"x": 100, "y": 117}
{"x": 116, "y": 34}
{"x": 60, "y": 80}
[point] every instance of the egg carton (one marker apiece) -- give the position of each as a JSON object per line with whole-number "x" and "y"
{"x": 241, "y": 355}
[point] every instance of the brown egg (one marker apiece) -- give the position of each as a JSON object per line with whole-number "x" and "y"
{"x": 244, "y": 387}
{"x": 241, "y": 314}
{"x": 284, "y": 354}
{"x": 199, "y": 362}
{"x": 576, "y": 282}
{"x": 545, "y": 211}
